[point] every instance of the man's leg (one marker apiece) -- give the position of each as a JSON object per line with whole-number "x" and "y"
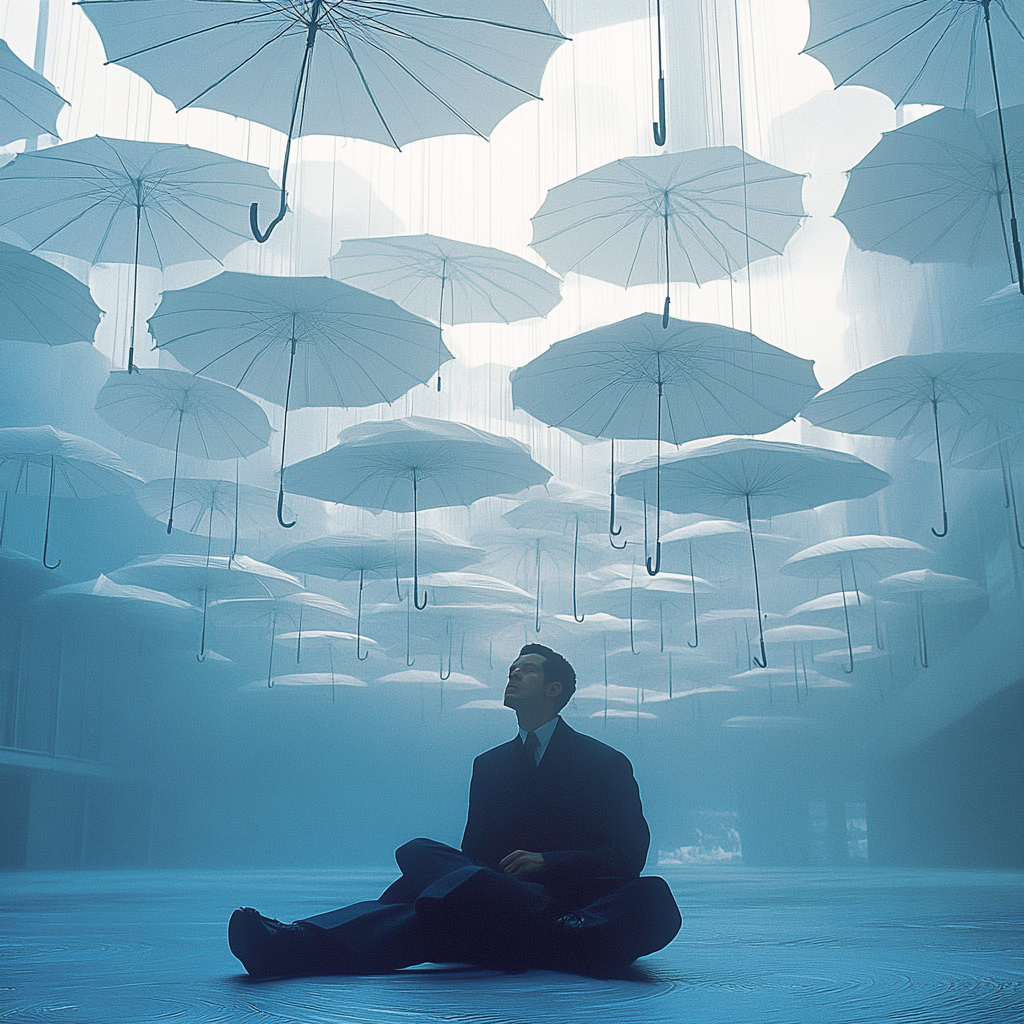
{"x": 422, "y": 862}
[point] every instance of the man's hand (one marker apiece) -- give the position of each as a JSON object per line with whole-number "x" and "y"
{"x": 523, "y": 864}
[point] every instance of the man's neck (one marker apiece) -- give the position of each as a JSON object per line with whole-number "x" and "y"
{"x": 533, "y": 723}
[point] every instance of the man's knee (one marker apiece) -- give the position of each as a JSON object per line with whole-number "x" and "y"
{"x": 411, "y": 856}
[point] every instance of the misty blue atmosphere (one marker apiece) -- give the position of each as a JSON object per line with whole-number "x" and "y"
{"x": 730, "y": 414}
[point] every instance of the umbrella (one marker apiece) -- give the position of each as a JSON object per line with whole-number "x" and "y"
{"x": 174, "y": 409}
{"x": 946, "y": 52}
{"x": 41, "y": 303}
{"x": 319, "y": 678}
{"x": 297, "y": 341}
{"x": 238, "y": 576}
{"x": 389, "y": 73}
{"x": 112, "y": 201}
{"x": 229, "y": 507}
{"x": 408, "y": 464}
{"x": 635, "y": 380}
{"x": 447, "y": 281}
{"x": 995, "y": 325}
{"x": 891, "y": 398}
{"x": 695, "y": 216}
{"x": 29, "y": 104}
{"x": 932, "y": 191}
{"x": 936, "y": 586}
{"x": 35, "y": 460}
{"x": 798, "y": 635}
{"x": 756, "y": 479}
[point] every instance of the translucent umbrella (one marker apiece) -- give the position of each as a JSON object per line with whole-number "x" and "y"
{"x": 44, "y": 460}
{"x": 933, "y": 191}
{"x": 115, "y": 201}
{"x": 230, "y": 508}
{"x": 389, "y": 73}
{"x": 756, "y": 479}
{"x": 41, "y": 303}
{"x": 995, "y": 325}
{"x": 29, "y": 104}
{"x": 965, "y": 53}
{"x": 695, "y": 216}
{"x": 935, "y": 586}
{"x": 408, "y": 464}
{"x": 634, "y": 380}
{"x": 446, "y": 280}
{"x": 194, "y": 575}
{"x": 297, "y": 342}
{"x": 327, "y": 637}
{"x": 798, "y": 635}
{"x": 176, "y": 410}
{"x": 892, "y": 398}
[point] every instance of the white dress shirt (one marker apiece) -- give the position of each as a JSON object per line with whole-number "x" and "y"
{"x": 544, "y": 734}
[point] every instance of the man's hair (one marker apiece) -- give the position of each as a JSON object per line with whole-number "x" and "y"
{"x": 556, "y": 670}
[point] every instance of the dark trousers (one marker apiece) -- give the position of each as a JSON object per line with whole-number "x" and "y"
{"x": 444, "y": 909}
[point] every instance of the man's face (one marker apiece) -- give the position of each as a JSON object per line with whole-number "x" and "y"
{"x": 526, "y": 687}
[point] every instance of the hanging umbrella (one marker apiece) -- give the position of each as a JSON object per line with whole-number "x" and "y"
{"x": 41, "y": 303}
{"x": 827, "y": 608}
{"x": 331, "y": 679}
{"x": 954, "y": 53}
{"x": 892, "y": 398}
{"x": 935, "y": 586}
{"x": 695, "y": 216}
{"x": 389, "y": 73}
{"x": 933, "y": 191}
{"x": 798, "y": 635}
{"x": 408, "y": 464}
{"x": 635, "y": 380}
{"x": 228, "y": 507}
{"x": 297, "y": 342}
{"x": 327, "y": 637}
{"x": 195, "y": 576}
{"x": 756, "y": 479}
{"x": 29, "y": 104}
{"x": 112, "y": 201}
{"x": 176, "y": 410}
{"x": 44, "y": 460}
{"x": 447, "y": 281}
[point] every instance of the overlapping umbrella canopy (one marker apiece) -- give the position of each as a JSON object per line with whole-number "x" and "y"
{"x": 29, "y": 104}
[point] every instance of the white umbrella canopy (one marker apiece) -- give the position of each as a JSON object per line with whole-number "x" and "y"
{"x": 905, "y": 395}
{"x": 29, "y": 104}
{"x": 934, "y": 190}
{"x": 176, "y": 410}
{"x": 694, "y": 216}
{"x": 390, "y": 74}
{"x": 994, "y": 325}
{"x": 127, "y": 595}
{"x": 745, "y": 477}
{"x": 447, "y": 281}
{"x": 297, "y": 341}
{"x": 415, "y": 463}
{"x": 873, "y": 555}
{"x": 41, "y": 303}
{"x": 115, "y": 201}
{"x": 44, "y": 460}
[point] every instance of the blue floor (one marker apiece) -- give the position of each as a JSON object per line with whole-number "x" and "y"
{"x": 815, "y": 946}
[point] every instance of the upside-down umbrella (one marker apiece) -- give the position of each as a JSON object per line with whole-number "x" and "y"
{"x": 798, "y": 635}
{"x": 229, "y": 508}
{"x": 41, "y": 303}
{"x": 115, "y": 201}
{"x": 827, "y": 608}
{"x": 45, "y": 460}
{"x": 29, "y": 104}
{"x": 954, "y": 53}
{"x": 934, "y": 191}
{"x": 447, "y": 281}
{"x": 176, "y": 410}
{"x": 634, "y": 380}
{"x": 405, "y": 465}
{"x": 939, "y": 587}
{"x": 695, "y": 216}
{"x": 390, "y": 73}
{"x": 297, "y": 342}
{"x": 327, "y": 637}
{"x": 748, "y": 478}
{"x": 194, "y": 575}
{"x": 892, "y": 398}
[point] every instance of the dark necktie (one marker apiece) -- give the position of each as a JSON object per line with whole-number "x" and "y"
{"x": 530, "y": 748}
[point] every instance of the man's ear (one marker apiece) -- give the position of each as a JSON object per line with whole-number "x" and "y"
{"x": 553, "y": 689}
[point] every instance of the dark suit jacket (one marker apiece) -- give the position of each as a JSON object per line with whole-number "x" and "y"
{"x": 580, "y": 807}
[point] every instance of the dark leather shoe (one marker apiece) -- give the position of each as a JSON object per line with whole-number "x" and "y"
{"x": 271, "y": 948}
{"x": 579, "y": 920}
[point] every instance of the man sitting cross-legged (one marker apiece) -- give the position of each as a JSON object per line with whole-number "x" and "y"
{"x": 548, "y": 875}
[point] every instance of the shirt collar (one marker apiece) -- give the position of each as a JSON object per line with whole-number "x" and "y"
{"x": 544, "y": 734}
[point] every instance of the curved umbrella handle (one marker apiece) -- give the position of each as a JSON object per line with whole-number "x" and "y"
{"x": 632, "y": 646}
{"x": 613, "y": 530}
{"x": 659, "y": 126}
{"x": 46, "y": 535}
{"x": 284, "y": 429}
{"x": 942, "y": 480}
{"x": 254, "y": 222}
{"x": 654, "y": 568}
{"x": 763, "y": 663}
{"x": 575, "y": 552}
{"x": 693, "y": 595}
{"x": 359, "y": 621}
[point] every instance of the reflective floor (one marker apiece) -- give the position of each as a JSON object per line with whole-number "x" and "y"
{"x": 822, "y": 947}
